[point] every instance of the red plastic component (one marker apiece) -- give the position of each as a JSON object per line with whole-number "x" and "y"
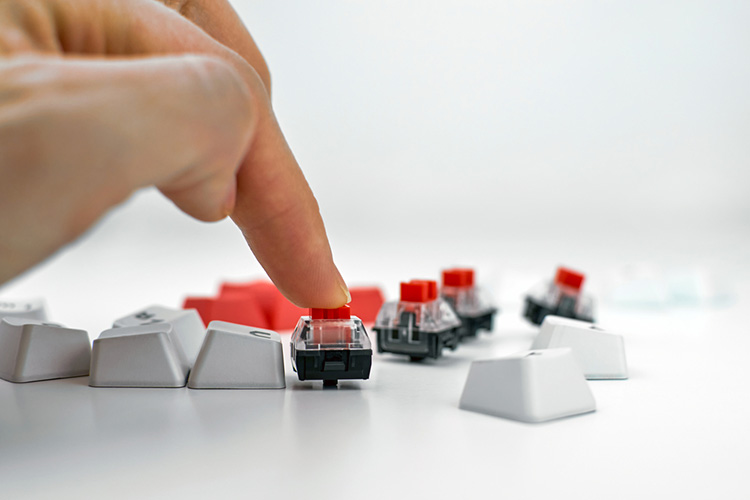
{"x": 204, "y": 306}
{"x": 432, "y": 288}
{"x": 366, "y": 302}
{"x": 569, "y": 278}
{"x": 343, "y": 312}
{"x": 259, "y": 303}
{"x": 459, "y": 277}
{"x": 415, "y": 291}
{"x": 262, "y": 293}
{"x": 240, "y": 309}
{"x": 284, "y": 314}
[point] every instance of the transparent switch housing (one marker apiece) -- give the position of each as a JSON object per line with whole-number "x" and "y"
{"x": 328, "y": 334}
{"x": 561, "y": 296}
{"x": 468, "y": 301}
{"x": 429, "y": 317}
{"x": 472, "y": 305}
{"x": 567, "y": 301}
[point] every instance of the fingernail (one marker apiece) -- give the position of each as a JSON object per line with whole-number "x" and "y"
{"x": 345, "y": 289}
{"x": 230, "y": 200}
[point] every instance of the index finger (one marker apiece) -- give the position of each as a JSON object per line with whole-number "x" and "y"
{"x": 219, "y": 19}
{"x": 275, "y": 207}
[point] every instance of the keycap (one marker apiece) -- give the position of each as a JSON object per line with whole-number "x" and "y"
{"x": 188, "y": 328}
{"x": 420, "y": 324}
{"x": 31, "y": 309}
{"x": 600, "y": 353}
{"x": 470, "y": 302}
{"x": 366, "y": 302}
{"x": 530, "y": 386}
{"x": 139, "y": 356}
{"x": 238, "y": 357}
{"x": 331, "y": 345}
{"x": 563, "y": 296}
{"x": 32, "y": 350}
{"x": 260, "y": 304}
{"x": 284, "y": 314}
{"x": 203, "y": 305}
{"x": 240, "y": 303}
{"x": 262, "y": 293}
{"x": 280, "y": 314}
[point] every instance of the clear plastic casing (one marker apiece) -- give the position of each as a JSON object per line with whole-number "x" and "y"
{"x": 328, "y": 334}
{"x": 433, "y": 316}
{"x": 468, "y": 301}
{"x": 565, "y": 300}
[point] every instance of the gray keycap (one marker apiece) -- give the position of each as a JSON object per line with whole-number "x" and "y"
{"x": 32, "y": 350}
{"x": 238, "y": 357}
{"x": 31, "y": 309}
{"x": 530, "y": 386}
{"x": 138, "y": 356}
{"x": 187, "y": 326}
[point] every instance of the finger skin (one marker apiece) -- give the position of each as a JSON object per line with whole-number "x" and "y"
{"x": 71, "y": 130}
{"x": 274, "y": 207}
{"x": 221, "y": 22}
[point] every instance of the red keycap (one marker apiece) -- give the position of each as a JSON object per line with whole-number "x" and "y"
{"x": 284, "y": 314}
{"x": 241, "y": 309}
{"x": 204, "y": 306}
{"x": 263, "y": 292}
{"x": 366, "y": 302}
{"x": 259, "y": 303}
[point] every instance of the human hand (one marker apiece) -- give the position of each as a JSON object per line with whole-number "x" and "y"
{"x": 101, "y": 97}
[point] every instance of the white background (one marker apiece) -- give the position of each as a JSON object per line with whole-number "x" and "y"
{"x": 509, "y": 136}
{"x": 512, "y": 136}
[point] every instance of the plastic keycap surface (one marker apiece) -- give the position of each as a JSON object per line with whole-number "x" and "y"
{"x": 530, "y": 386}
{"x": 32, "y": 309}
{"x": 189, "y": 330}
{"x": 238, "y": 357}
{"x": 600, "y": 353}
{"x": 139, "y": 356}
{"x": 32, "y": 350}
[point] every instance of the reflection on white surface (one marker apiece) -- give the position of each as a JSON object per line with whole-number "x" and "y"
{"x": 65, "y": 437}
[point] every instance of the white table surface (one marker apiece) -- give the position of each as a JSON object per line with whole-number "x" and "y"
{"x": 677, "y": 428}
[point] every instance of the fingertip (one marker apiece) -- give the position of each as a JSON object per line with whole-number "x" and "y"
{"x": 347, "y": 294}
{"x": 230, "y": 199}
{"x": 329, "y": 294}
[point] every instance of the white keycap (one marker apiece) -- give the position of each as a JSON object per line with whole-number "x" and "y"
{"x": 138, "y": 356}
{"x": 32, "y": 350}
{"x": 31, "y": 309}
{"x": 600, "y": 353}
{"x": 186, "y": 323}
{"x": 238, "y": 357}
{"x": 530, "y": 386}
